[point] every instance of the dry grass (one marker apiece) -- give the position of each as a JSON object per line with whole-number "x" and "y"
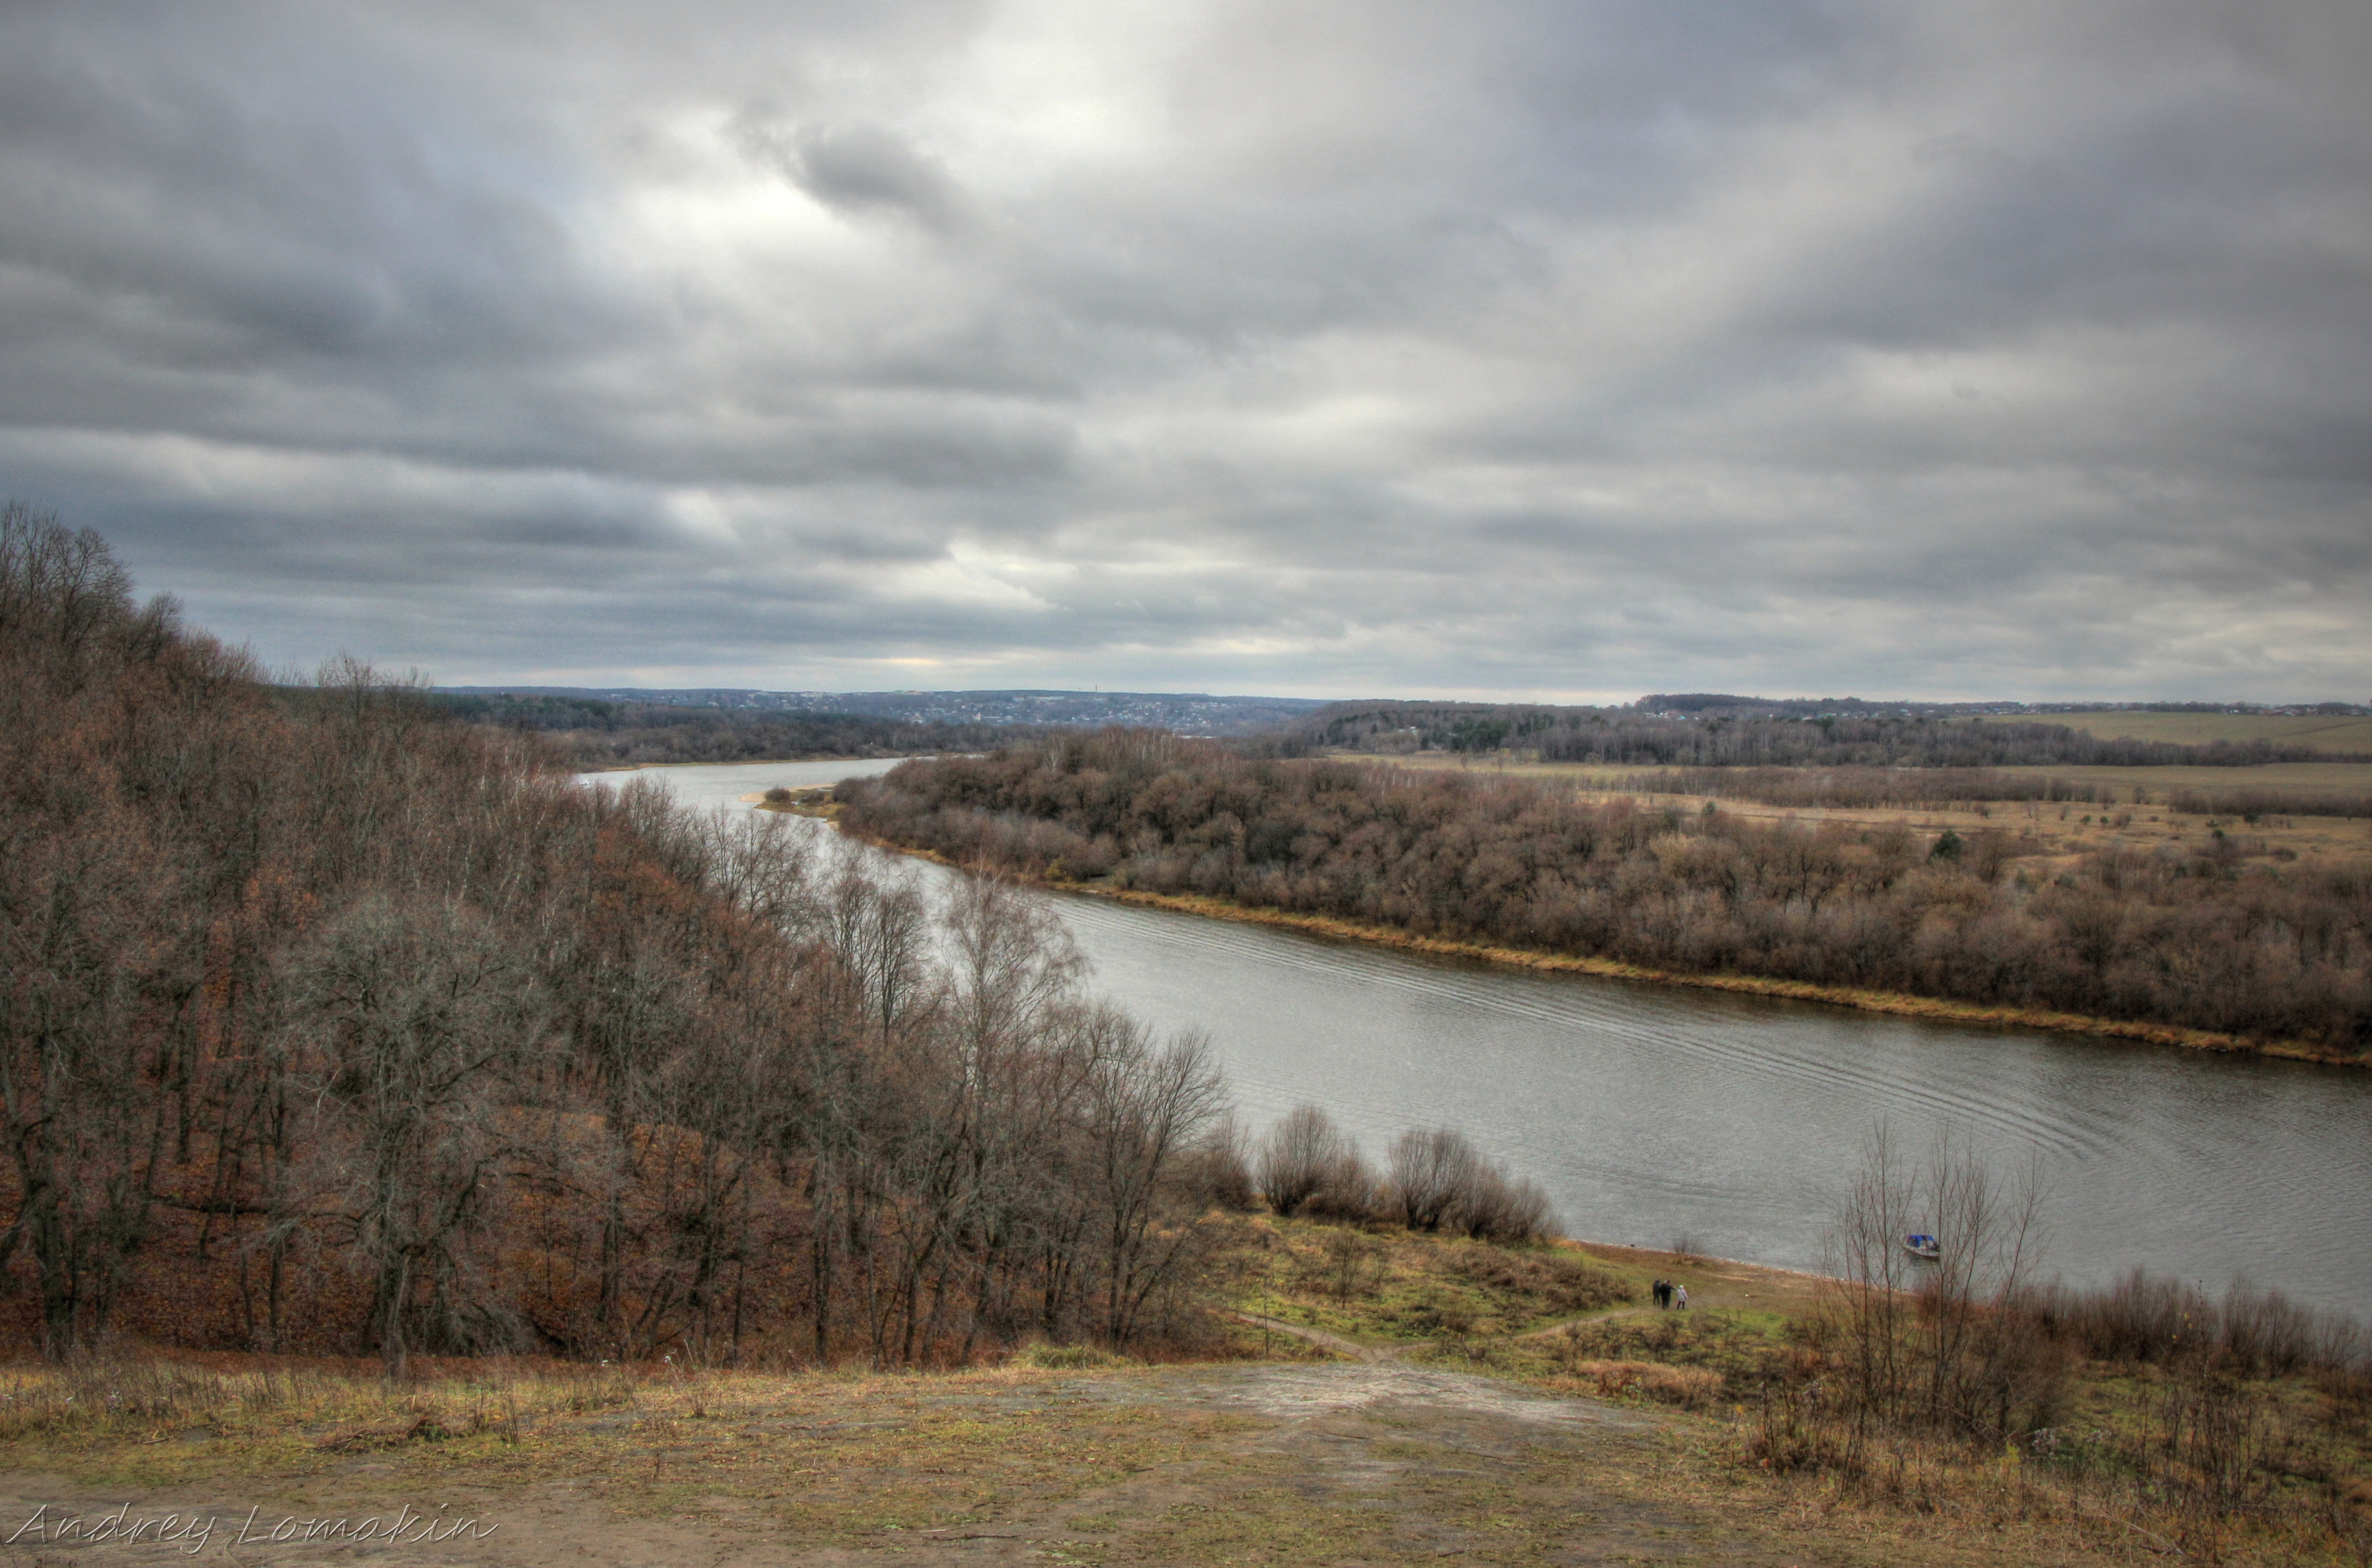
{"x": 2306, "y": 778}
{"x": 1079, "y": 1457}
{"x": 1692, "y": 1388}
{"x": 1383, "y": 1286}
{"x": 2055, "y": 834}
{"x": 834, "y": 1454}
{"x": 2219, "y": 1461}
{"x": 2338, "y": 733}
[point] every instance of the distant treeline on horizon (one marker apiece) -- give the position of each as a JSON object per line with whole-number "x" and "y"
{"x": 1769, "y": 736}
{"x": 1687, "y": 730}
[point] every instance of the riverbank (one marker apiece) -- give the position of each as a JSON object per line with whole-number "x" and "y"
{"x": 1897, "y": 1003}
{"x": 1800, "y": 991}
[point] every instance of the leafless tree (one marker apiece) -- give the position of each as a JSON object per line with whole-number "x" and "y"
{"x": 1496, "y": 1206}
{"x": 1430, "y": 1174}
{"x": 1144, "y": 1106}
{"x": 411, "y": 1014}
{"x": 1014, "y": 961}
{"x": 1301, "y": 1154}
{"x": 371, "y": 1007}
{"x": 1871, "y": 1275}
{"x": 1947, "y": 1343}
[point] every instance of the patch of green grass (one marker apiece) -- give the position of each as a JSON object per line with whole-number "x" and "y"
{"x": 1385, "y": 1286}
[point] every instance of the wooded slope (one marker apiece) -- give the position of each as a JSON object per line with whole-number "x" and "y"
{"x": 330, "y": 1025}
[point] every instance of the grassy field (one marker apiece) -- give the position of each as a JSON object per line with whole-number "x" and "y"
{"x": 2308, "y": 778}
{"x": 2315, "y": 732}
{"x": 1502, "y": 1405}
{"x": 2316, "y": 778}
{"x": 2058, "y": 832}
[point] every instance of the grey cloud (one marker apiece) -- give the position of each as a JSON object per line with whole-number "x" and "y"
{"x": 865, "y": 169}
{"x": 1514, "y": 348}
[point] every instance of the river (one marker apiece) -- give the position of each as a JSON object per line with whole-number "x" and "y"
{"x": 1652, "y": 1112}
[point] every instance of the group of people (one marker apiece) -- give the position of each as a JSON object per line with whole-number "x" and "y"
{"x": 1668, "y": 1295}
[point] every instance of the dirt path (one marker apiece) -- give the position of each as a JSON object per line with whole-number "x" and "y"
{"x": 1368, "y": 1461}
{"x": 1320, "y": 1337}
{"x": 1560, "y": 1326}
{"x": 1378, "y": 1354}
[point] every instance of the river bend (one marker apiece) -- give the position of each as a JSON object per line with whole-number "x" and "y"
{"x": 1649, "y": 1112}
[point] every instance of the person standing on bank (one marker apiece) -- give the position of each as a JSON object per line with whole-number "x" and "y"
{"x": 1681, "y": 1293}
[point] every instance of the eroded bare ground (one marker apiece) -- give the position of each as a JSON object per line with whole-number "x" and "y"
{"x": 1256, "y": 1463}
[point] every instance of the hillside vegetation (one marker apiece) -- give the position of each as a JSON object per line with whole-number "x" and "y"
{"x": 331, "y": 1026}
{"x": 2190, "y": 935}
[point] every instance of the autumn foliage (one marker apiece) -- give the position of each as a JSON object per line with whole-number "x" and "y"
{"x": 2195, "y": 937}
{"x": 327, "y": 1024}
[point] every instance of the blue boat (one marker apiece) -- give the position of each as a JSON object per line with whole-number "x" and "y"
{"x": 1923, "y": 1246}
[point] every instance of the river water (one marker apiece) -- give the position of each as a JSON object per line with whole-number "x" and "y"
{"x": 1651, "y": 1112}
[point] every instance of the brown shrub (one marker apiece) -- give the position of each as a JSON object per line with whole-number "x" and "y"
{"x": 1690, "y": 1388}
{"x": 1561, "y": 1282}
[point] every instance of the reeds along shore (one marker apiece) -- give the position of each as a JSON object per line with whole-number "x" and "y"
{"x": 2190, "y": 946}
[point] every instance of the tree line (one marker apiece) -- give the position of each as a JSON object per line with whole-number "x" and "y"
{"x": 1749, "y": 738}
{"x": 2196, "y": 935}
{"x": 589, "y": 733}
{"x": 328, "y": 1024}
{"x": 1434, "y": 1181}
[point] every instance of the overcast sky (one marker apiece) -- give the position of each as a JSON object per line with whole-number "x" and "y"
{"x": 1530, "y": 350}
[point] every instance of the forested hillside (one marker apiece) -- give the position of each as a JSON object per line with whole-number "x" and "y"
{"x": 593, "y": 733}
{"x": 329, "y": 1025}
{"x": 2194, "y": 936}
{"x": 1748, "y": 737}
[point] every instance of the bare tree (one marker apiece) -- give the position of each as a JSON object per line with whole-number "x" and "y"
{"x": 879, "y": 932}
{"x": 1301, "y": 1154}
{"x": 1945, "y": 1343}
{"x": 1495, "y": 1206}
{"x": 1869, "y": 1275}
{"x": 1144, "y": 1106}
{"x": 1431, "y": 1172}
{"x": 1014, "y": 961}
{"x": 411, "y": 1014}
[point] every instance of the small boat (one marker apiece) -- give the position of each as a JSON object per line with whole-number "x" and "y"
{"x": 1923, "y": 1246}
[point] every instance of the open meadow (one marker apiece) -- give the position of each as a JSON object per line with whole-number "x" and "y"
{"x": 2342, "y": 733}
{"x": 2055, "y": 834}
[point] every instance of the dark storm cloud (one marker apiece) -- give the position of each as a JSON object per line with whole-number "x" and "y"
{"x": 861, "y": 169}
{"x": 1512, "y": 348}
